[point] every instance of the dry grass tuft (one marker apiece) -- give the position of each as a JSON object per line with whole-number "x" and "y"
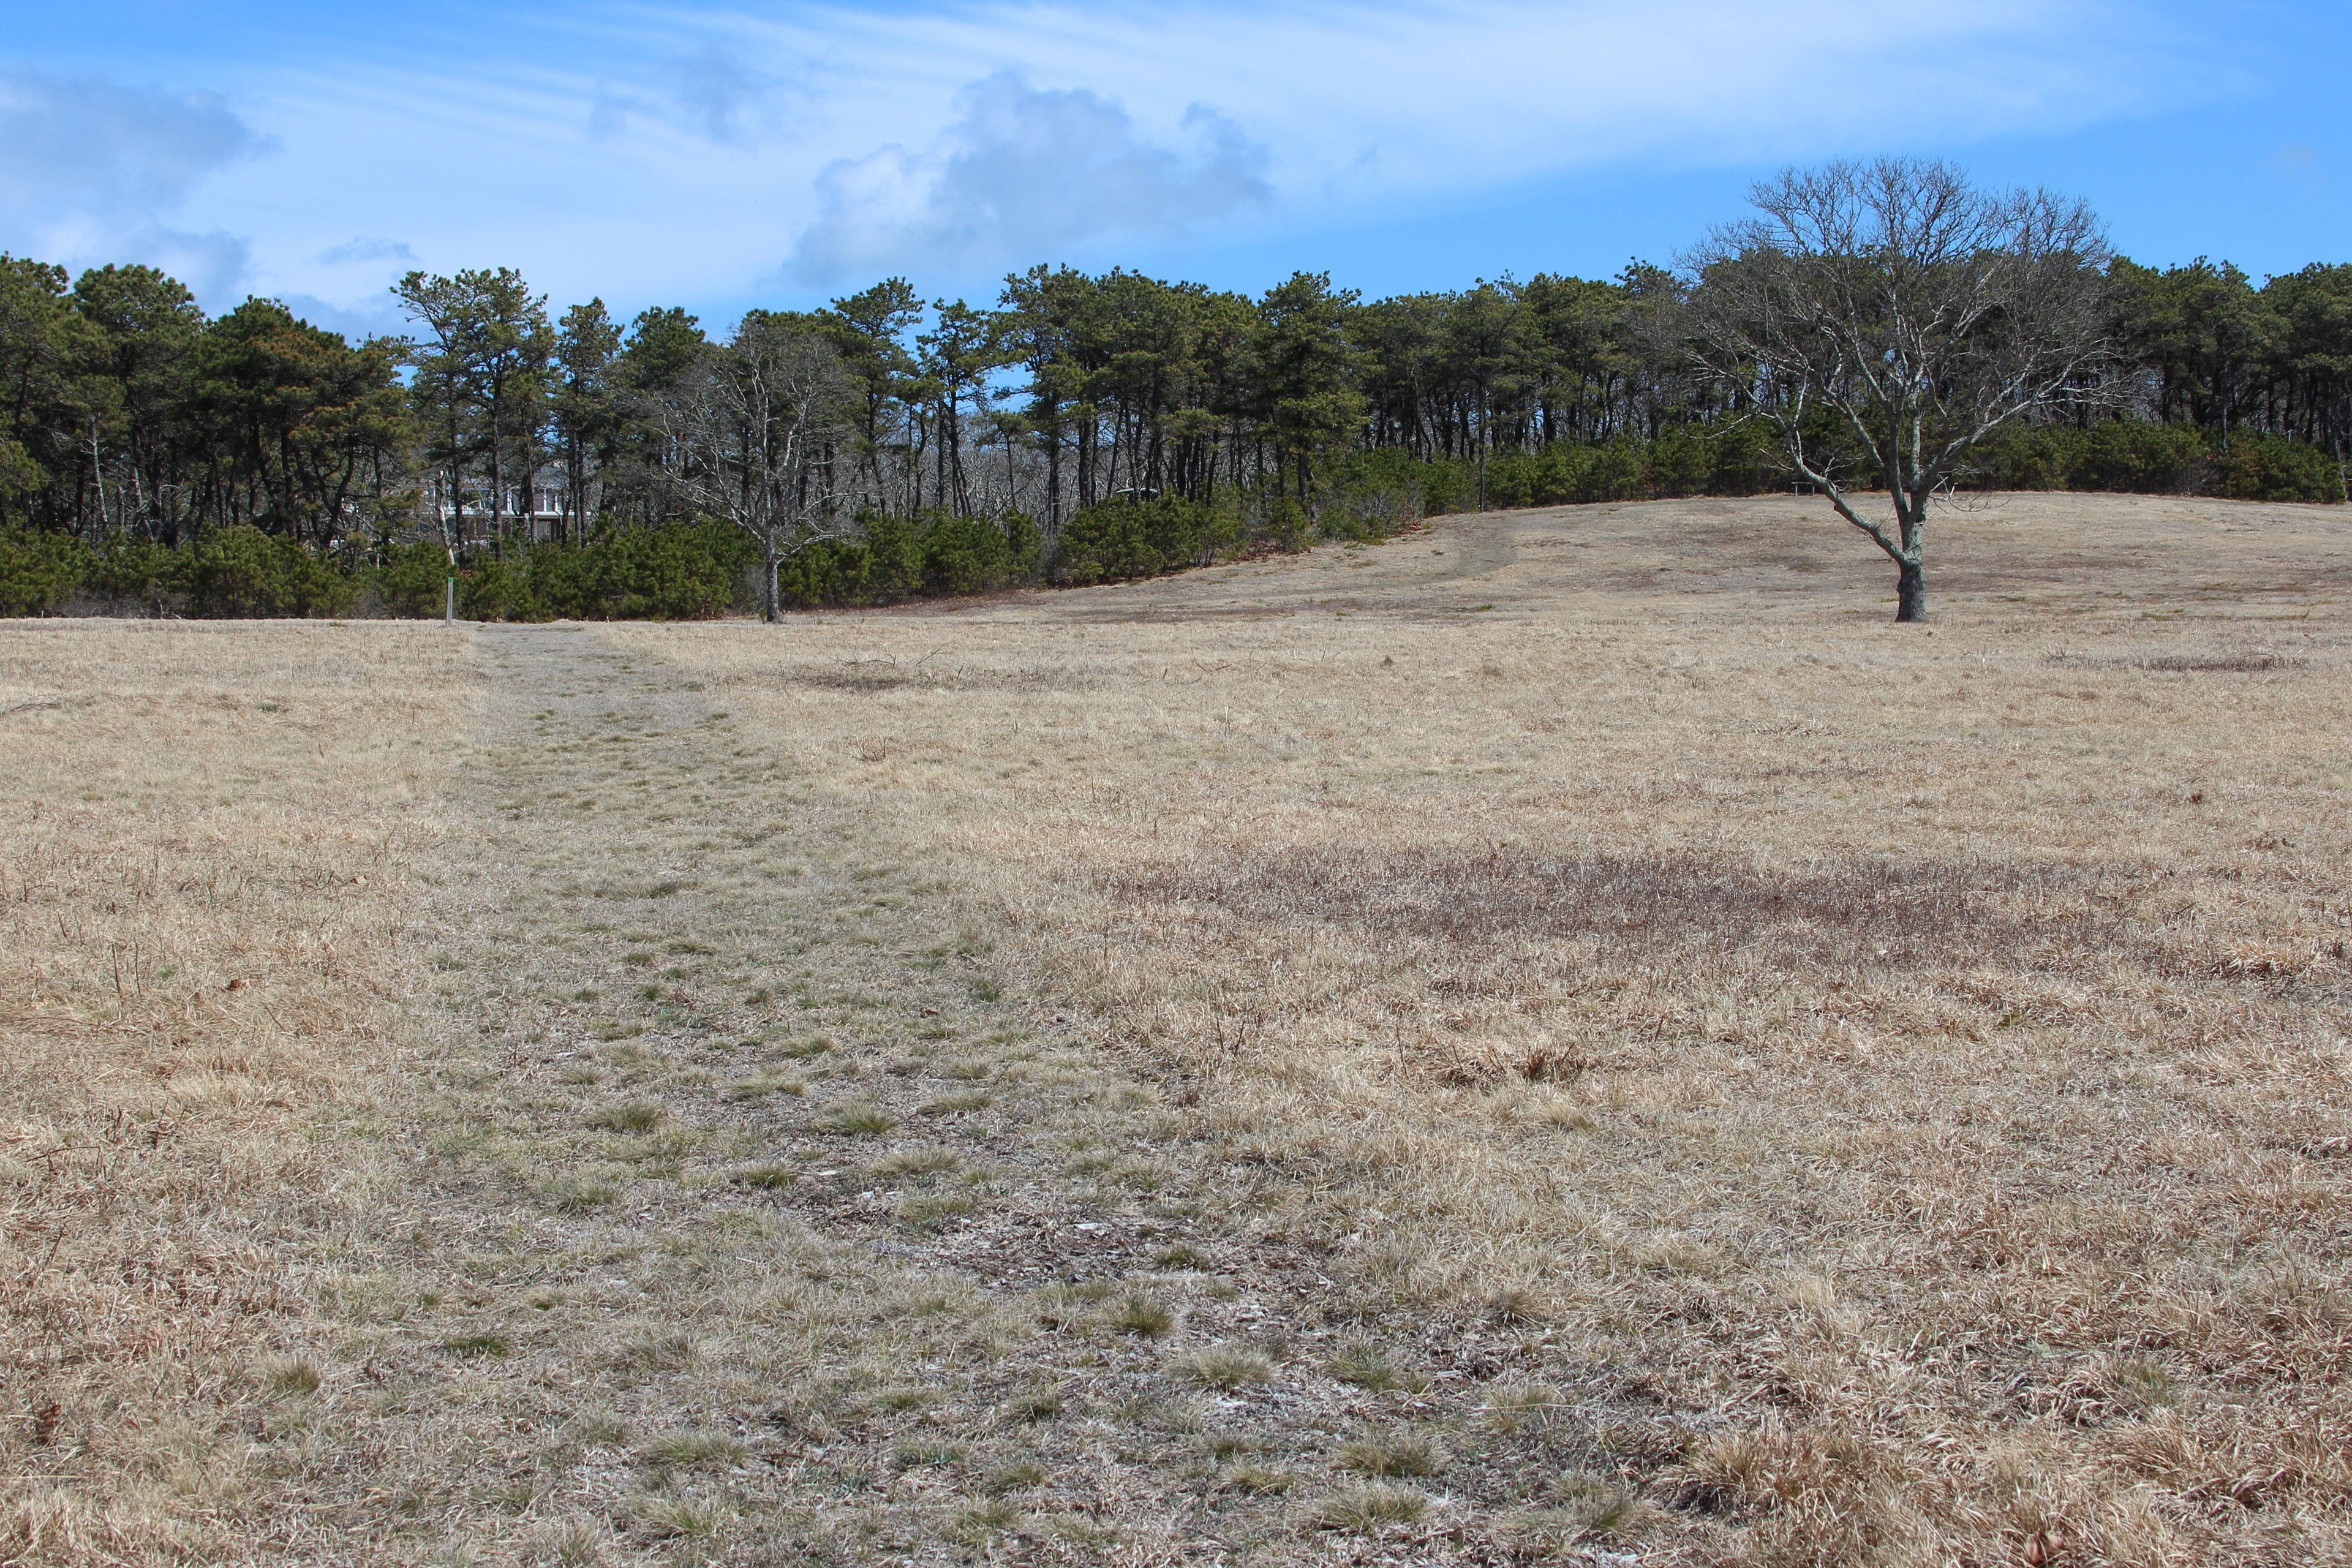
{"x": 1373, "y": 1369}
{"x": 857, "y": 1117}
{"x": 1228, "y": 1366}
{"x": 1368, "y": 1508}
{"x": 687, "y": 1450}
{"x": 760, "y": 1085}
{"x": 1256, "y": 1480}
{"x": 1141, "y": 1313}
{"x": 1399, "y": 1455}
{"x": 633, "y": 1116}
{"x": 924, "y": 1162}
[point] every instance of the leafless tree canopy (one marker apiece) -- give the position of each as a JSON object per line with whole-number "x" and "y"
{"x": 754, "y": 432}
{"x": 1885, "y": 317}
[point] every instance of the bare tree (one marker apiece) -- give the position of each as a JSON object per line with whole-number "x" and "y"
{"x": 1884, "y": 318}
{"x": 756, "y": 426}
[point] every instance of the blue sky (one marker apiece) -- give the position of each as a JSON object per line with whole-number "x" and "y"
{"x": 721, "y": 156}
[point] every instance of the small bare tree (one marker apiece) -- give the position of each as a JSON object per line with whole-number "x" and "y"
{"x": 754, "y": 429}
{"x": 1884, "y": 318}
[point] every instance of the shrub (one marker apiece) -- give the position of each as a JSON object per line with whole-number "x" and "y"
{"x": 494, "y": 587}
{"x": 409, "y": 580}
{"x": 243, "y": 574}
{"x": 38, "y": 571}
{"x": 890, "y": 563}
{"x": 676, "y": 571}
{"x": 2137, "y": 455}
{"x": 679, "y": 572}
{"x": 2272, "y": 468}
{"x": 2146, "y": 457}
{"x": 965, "y": 554}
{"x": 1118, "y": 541}
{"x": 1684, "y": 459}
{"x": 131, "y": 570}
{"x": 1287, "y": 526}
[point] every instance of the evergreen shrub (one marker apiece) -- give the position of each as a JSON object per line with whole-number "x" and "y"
{"x": 1119, "y": 540}
{"x": 38, "y": 572}
{"x": 243, "y": 574}
{"x": 2144, "y": 456}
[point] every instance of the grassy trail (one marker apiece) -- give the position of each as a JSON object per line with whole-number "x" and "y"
{"x": 750, "y": 1222}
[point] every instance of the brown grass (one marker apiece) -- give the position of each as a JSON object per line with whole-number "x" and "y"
{"x": 205, "y": 841}
{"x": 1574, "y": 1010}
{"x": 1894, "y": 1074}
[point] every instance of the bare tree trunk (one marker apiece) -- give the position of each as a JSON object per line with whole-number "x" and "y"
{"x": 1911, "y": 591}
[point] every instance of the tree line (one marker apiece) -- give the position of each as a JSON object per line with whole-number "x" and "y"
{"x": 497, "y": 422}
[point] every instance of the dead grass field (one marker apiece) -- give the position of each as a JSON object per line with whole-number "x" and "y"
{"x": 1566, "y": 1037}
{"x": 205, "y": 834}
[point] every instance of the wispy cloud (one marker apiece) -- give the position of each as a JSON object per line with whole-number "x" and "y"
{"x": 1023, "y": 171}
{"x": 365, "y": 250}
{"x": 719, "y": 94}
{"x": 93, "y": 170}
{"x": 1465, "y": 92}
{"x": 712, "y": 91}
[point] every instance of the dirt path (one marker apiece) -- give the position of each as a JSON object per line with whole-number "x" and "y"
{"x": 752, "y": 1224}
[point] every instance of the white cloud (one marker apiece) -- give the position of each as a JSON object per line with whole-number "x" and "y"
{"x": 1024, "y": 171}
{"x": 92, "y": 171}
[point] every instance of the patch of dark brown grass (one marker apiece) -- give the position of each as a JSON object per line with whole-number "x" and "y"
{"x": 870, "y": 676}
{"x": 1861, "y": 911}
{"x": 2248, "y": 663}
